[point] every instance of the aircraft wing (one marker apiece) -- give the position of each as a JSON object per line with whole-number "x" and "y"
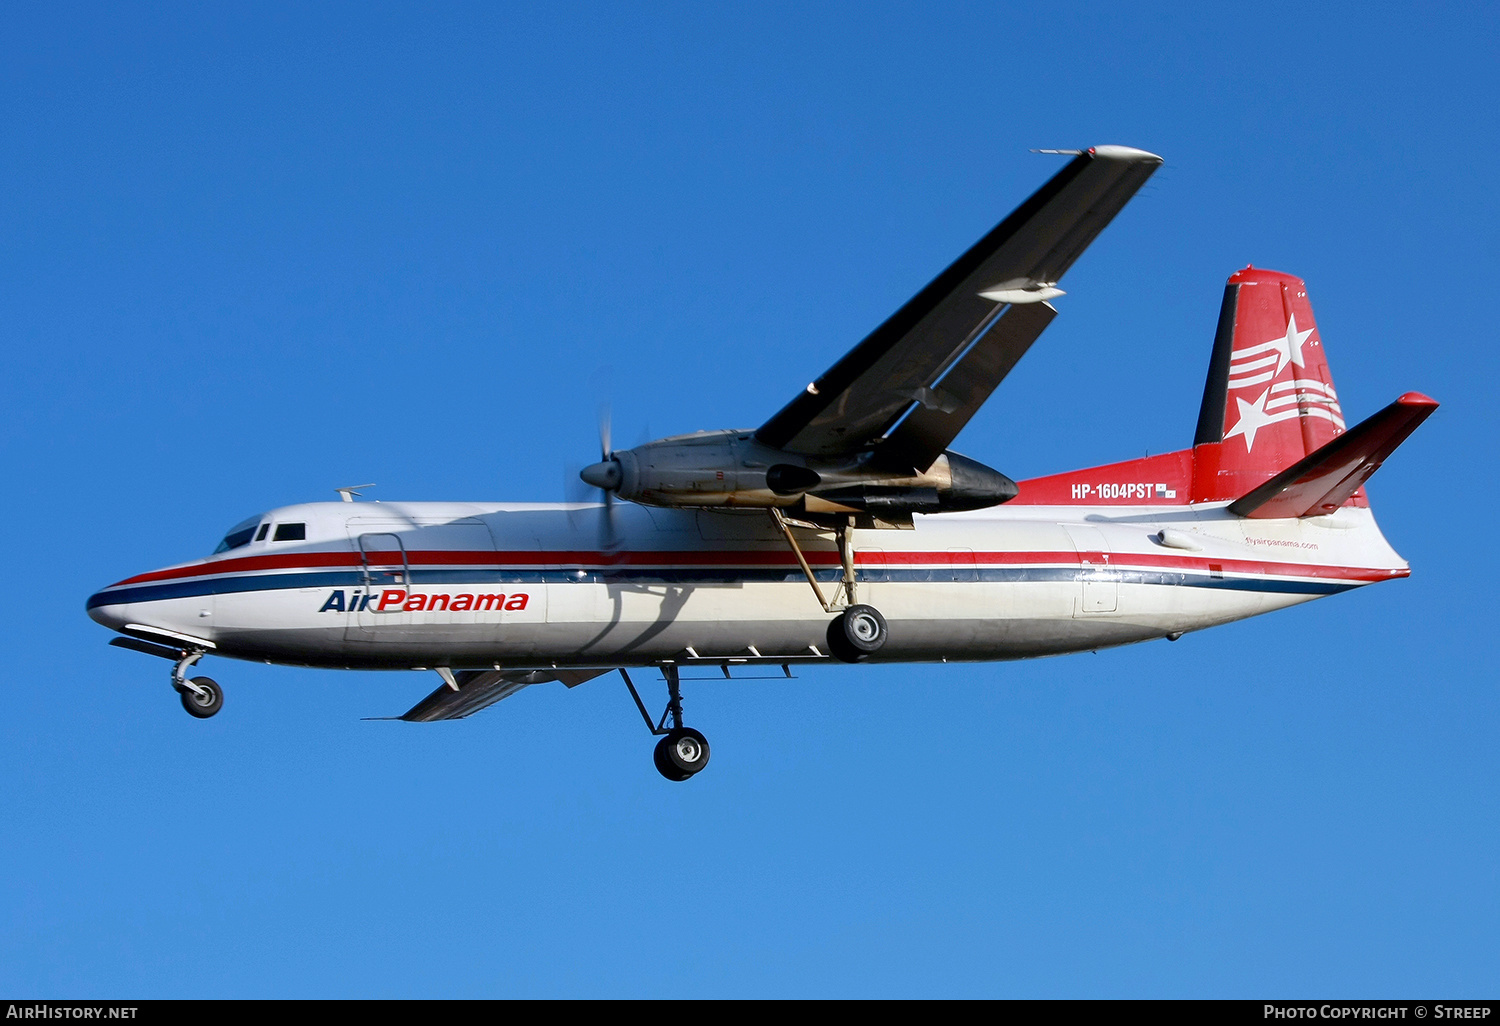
{"x": 479, "y": 689}
{"x": 944, "y": 352}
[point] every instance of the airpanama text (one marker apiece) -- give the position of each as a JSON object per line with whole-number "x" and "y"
{"x": 399, "y": 600}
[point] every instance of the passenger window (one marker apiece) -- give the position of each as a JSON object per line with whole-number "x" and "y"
{"x": 291, "y": 532}
{"x": 261, "y": 534}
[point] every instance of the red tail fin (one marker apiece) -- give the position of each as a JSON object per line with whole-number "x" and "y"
{"x": 1269, "y": 405}
{"x": 1269, "y": 401}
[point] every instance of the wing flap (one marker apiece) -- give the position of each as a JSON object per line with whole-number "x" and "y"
{"x": 480, "y": 689}
{"x": 931, "y": 427}
{"x": 1321, "y": 481}
{"x": 862, "y": 395}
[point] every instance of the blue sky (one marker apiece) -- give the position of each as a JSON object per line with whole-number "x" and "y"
{"x": 254, "y": 252}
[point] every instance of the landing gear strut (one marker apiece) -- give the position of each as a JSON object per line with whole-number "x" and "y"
{"x": 682, "y": 751}
{"x": 859, "y": 630}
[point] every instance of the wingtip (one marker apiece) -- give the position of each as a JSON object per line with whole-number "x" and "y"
{"x": 1128, "y": 154}
{"x": 1417, "y": 399}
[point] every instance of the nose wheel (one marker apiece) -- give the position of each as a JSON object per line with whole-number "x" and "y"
{"x": 682, "y": 751}
{"x": 207, "y": 700}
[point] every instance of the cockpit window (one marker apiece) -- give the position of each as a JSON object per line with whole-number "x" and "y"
{"x": 290, "y": 532}
{"x": 261, "y": 534}
{"x": 239, "y": 534}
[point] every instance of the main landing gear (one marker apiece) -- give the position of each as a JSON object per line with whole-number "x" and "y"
{"x": 859, "y": 630}
{"x": 682, "y": 751}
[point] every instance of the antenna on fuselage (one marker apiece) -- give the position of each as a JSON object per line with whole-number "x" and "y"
{"x": 349, "y": 492}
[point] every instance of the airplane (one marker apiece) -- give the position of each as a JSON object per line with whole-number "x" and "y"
{"x": 843, "y": 529}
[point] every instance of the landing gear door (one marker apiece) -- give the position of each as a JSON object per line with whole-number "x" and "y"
{"x": 384, "y": 570}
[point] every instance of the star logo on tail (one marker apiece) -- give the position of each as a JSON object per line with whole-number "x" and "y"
{"x": 1289, "y": 348}
{"x": 1253, "y": 417}
{"x": 1252, "y": 365}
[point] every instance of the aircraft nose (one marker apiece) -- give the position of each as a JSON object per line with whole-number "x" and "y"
{"x": 103, "y": 610}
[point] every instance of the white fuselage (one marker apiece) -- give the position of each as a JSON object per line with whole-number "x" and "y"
{"x": 466, "y": 585}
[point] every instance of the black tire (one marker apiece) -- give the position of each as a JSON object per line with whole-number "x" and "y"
{"x": 685, "y": 750}
{"x": 203, "y": 706}
{"x": 664, "y": 763}
{"x": 855, "y": 633}
{"x": 838, "y": 647}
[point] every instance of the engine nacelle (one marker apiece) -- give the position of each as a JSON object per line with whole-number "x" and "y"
{"x": 730, "y": 468}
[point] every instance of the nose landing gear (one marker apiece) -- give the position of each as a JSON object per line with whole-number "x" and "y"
{"x": 682, "y": 751}
{"x": 201, "y": 697}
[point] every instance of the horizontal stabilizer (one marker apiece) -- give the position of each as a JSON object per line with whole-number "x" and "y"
{"x": 1322, "y": 481}
{"x": 480, "y": 689}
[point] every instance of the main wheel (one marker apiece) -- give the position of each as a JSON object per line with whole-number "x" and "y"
{"x": 205, "y": 705}
{"x": 664, "y": 765}
{"x": 855, "y": 633}
{"x": 681, "y": 753}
